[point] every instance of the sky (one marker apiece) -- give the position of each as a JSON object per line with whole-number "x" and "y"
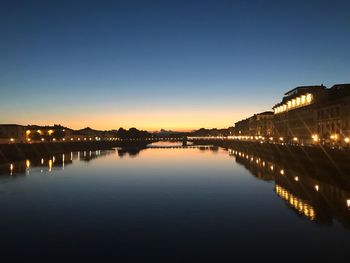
{"x": 178, "y": 65}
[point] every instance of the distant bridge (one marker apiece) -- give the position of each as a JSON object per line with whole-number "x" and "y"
{"x": 180, "y": 147}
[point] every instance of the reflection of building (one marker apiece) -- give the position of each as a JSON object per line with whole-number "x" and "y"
{"x": 49, "y": 163}
{"x": 12, "y": 133}
{"x": 297, "y": 203}
{"x": 308, "y": 191}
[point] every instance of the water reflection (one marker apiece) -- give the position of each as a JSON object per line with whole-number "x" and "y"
{"x": 177, "y": 201}
{"x": 49, "y": 163}
{"x": 60, "y": 161}
{"x": 317, "y": 195}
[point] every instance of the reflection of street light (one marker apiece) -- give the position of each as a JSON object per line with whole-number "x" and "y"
{"x": 347, "y": 140}
{"x": 295, "y": 139}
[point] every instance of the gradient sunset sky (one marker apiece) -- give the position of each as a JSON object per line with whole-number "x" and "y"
{"x": 177, "y": 65}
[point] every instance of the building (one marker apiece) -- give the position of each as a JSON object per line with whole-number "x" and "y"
{"x": 295, "y": 118}
{"x": 333, "y": 116}
{"x": 305, "y": 115}
{"x": 36, "y": 133}
{"x": 261, "y": 124}
{"x": 242, "y": 127}
{"x": 12, "y": 133}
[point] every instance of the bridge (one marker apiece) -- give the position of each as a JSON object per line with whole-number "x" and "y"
{"x": 181, "y": 147}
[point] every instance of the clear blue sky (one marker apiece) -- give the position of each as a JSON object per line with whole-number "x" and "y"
{"x": 164, "y": 64}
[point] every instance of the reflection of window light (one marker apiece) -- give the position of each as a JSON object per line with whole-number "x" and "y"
{"x": 317, "y": 187}
{"x": 293, "y": 103}
{"x": 298, "y": 101}
{"x": 348, "y": 203}
{"x": 303, "y": 99}
{"x": 289, "y": 103}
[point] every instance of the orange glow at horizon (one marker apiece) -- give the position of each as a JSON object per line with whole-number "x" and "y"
{"x": 181, "y": 120}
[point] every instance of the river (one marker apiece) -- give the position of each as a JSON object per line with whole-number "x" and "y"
{"x": 170, "y": 203}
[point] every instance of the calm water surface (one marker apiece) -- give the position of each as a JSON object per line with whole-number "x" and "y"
{"x": 183, "y": 204}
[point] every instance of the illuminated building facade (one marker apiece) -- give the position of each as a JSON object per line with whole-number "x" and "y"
{"x": 260, "y": 124}
{"x": 295, "y": 116}
{"x": 306, "y": 115}
{"x": 333, "y": 116}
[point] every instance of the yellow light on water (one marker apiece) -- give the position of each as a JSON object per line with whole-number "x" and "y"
{"x": 50, "y": 165}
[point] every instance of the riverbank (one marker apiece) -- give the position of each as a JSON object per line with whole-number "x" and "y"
{"x": 22, "y": 151}
{"x": 314, "y": 157}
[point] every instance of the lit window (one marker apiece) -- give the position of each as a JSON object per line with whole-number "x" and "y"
{"x": 308, "y": 98}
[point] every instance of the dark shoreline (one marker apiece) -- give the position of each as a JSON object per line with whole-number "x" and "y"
{"x": 22, "y": 151}
{"x": 316, "y": 160}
